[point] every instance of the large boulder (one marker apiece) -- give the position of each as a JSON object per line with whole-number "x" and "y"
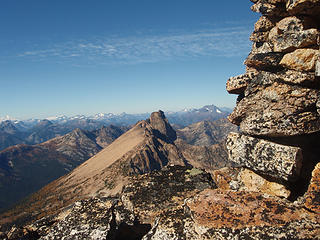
{"x": 265, "y": 157}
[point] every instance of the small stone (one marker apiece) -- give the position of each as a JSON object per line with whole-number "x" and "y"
{"x": 312, "y": 198}
{"x": 269, "y": 8}
{"x": 290, "y": 34}
{"x": 259, "y": 37}
{"x": 237, "y": 85}
{"x": 264, "y": 47}
{"x": 301, "y": 60}
{"x": 268, "y": 158}
{"x": 264, "y": 61}
{"x": 264, "y": 24}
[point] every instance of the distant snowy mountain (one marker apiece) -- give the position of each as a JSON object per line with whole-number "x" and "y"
{"x": 6, "y": 118}
{"x": 34, "y": 131}
{"x": 189, "y": 116}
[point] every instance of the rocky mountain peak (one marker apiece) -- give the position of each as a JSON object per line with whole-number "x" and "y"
{"x": 8, "y": 126}
{"x": 161, "y": 126}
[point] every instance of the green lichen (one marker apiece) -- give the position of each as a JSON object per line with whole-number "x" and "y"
{"x": 194, "y": 172}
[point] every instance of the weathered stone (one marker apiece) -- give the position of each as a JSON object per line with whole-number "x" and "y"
{"x": 261, "y": 47}
{"x": 259, "y": 36}
{"x": 288, "y": 76}
{"x": 264, "y": 24}
{"x": 262, "y": 28}
{"x": 301, "y": 60}
{"x": 290, "y": 34}
{"x": 312, "y": 198}
{"x": 253, "y": 182}
{"x": 226, "y": 178}
{"x": 243, "y": 179}
{"x": 237, "y": 85}
{"x": 270, "y": 8}
{"x": 296, "y": 77}
{"x": 309, "y": 7}
{"x": 276, "y": 109}
{"x": 264, "y": 61}
{"x": 268, "y": 158}
{"x": 148, "y": 195}
{"x": 317, "y": 72}
{"x": 222, "y": 214}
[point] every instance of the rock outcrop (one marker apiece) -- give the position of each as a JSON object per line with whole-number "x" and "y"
{"x": 278, "y": 104}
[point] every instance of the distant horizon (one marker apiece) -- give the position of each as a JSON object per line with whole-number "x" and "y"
{"x": 70, "y": 57}
{"x": 9, "y": 117}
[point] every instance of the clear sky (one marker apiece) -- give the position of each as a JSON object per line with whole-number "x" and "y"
{"x": 89, "y": 56}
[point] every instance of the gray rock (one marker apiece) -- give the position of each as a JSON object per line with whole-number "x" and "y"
{"x": 264, "y": 61}
{"x": 276, "y": 109}
{"x": 268, "y": 158}
{"x": 292, "y": 33}
{"x": 237, "y": 85}
{"x": 270, "y": 8}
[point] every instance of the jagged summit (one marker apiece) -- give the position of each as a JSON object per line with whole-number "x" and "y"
{"x": 160, "y": 123}
{"x": 145, "y": 147}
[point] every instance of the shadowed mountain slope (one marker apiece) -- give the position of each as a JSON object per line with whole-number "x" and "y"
{"x": 24, "y": 169}
{"x": 148, "y": 146}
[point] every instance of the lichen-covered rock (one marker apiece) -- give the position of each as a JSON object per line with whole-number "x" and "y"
{"x": 317, "y": 71}
{"x": 252, "y": 182}
{"x": 261, "y": 47}
{"x": 264, "y": 61}
{"x": 276, "y": 109}
{"x": 148, "y": 195}
{"x": 264, "y": 24}
{"x": 301, "y": 60}
{"x": 237, "y": 85}
{"x": 270, "y": 8}
{"x": 309, "y": 7}
{"x": 268, "y": 158}
{"x": 222, "y": 214}
{"x": 243, "y": 179}
{"x": 290, "y": 34}
{"x": 88, "y": 219}
{"x": 312, "y": 198}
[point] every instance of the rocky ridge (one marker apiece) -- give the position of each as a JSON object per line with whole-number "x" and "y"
{"x": 148, "y": 146}
{"x": 48, "y": 161}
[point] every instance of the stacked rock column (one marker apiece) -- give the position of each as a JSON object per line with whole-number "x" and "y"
{"x": 278, "y": 107}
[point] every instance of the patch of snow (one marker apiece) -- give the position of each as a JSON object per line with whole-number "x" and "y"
{"x": 10, "y": 163}
{"x": 7, "y": 117}
{"x": 218, "y": 111}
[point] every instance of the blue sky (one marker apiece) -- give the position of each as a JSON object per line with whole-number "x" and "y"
{"x": 84, "y": 57}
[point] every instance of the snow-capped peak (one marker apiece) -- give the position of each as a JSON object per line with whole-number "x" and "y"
{"x": 57, "y": 118}
{"x": 7, "y": 117}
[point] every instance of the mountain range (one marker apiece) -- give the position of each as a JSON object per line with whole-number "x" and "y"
{"x": 34, "y": 131}
{"x": 150, "y": 145}
{"x": 26, "y": 168}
